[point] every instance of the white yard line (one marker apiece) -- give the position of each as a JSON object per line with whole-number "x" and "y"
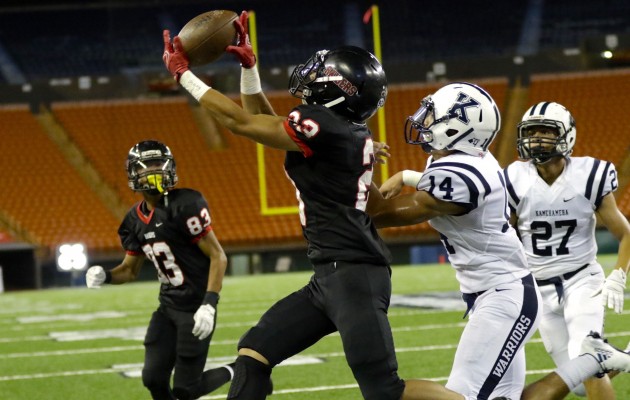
{"x": 139, "y": 332}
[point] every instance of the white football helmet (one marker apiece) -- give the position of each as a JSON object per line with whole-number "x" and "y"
{"x": 460, "y": 116}
{"x": 540, "y": 149}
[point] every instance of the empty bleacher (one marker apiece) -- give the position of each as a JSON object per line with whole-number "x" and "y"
{"x": 599, "y": 103}
{"x": 50, "y": 200}
{"x": 43, "y": 193}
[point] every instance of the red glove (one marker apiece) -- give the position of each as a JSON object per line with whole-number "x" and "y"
{"x": 174, "y": 56}
{"x": 243, "y": 49}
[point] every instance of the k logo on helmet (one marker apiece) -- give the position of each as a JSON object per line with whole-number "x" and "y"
{"x": 458, "y": 110}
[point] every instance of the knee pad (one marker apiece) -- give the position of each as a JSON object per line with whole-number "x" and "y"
{"x": 251, "y": 379}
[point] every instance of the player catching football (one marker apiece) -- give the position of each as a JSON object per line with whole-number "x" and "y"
{"x": 330, "y": 157}
{"x": 172, "y": 228}
{"x": 554, "y": 200}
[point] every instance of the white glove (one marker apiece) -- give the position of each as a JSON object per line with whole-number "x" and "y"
{"x": 95, "y": 277}
{"x": 204, "y": 321}
{"x": 613, "y": 290}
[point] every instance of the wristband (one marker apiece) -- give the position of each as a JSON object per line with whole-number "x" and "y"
{"x": 411, "y": 178}
{"x": 108, "y": 277}
{"x": 250, "y": 80}
{"x": 193, "y": 85}
{"x": 211, "y": 298}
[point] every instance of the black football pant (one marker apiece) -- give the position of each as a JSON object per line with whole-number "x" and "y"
{"x": 170, "y": 345}
{"x": 350, "y": 298}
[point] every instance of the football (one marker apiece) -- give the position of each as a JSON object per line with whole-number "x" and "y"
{"x": 206, "y": 36}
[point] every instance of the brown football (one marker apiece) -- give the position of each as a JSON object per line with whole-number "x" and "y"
{"x": 206, "y": 36}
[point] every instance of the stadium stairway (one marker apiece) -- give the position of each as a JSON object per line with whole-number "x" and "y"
{"x": 516, "y": 104}
{"x": 76, "y": 158}
{"x": 14, "y": 229}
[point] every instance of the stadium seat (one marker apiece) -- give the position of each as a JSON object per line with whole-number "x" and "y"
{"x": 44, "y": 194}
{"x": 599, "y": 102}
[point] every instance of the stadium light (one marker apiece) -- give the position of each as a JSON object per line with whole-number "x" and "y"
{"x": 71, "y": 257}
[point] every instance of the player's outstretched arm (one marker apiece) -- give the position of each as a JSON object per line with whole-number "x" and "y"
{"x": 393, "y": 186}
{"x": 407, "y": 209}
{"x": 617, "y": 224}
{"x": 256, "y": 103}
{"x": 265, "y": 129}
{"x": 253, "y": 99}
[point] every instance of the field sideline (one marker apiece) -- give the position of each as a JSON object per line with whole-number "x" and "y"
{"x": 75, "y": 343}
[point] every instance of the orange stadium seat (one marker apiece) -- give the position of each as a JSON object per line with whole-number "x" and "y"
{"x": 105, "y": 130}
{"x": 229, "y": 178}
{"x": 44, "y": 194}
{"x": 599, "y": 102}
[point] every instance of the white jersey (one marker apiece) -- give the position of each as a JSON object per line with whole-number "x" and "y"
{"x": 557, "y": 223}
{"x": 482, "y": 246}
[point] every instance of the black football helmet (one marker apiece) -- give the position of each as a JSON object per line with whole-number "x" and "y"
{"x": 349, "y": 80}
{"x": 151, "y": 167}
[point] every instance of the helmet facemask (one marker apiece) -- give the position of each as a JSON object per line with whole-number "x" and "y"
{"x": 305, "y": 74}
{"x": 151, "y": 176}
{"x": 421, "y": 122}
{"x": 552, "y": 118}
{"x": 540, "y": 149}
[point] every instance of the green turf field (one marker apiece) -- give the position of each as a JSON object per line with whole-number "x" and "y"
{"x": 77, "y": 343}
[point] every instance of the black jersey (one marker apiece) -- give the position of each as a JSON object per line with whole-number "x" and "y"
{"x": 168, "y": 236}
{"x": 332, "y": 176}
